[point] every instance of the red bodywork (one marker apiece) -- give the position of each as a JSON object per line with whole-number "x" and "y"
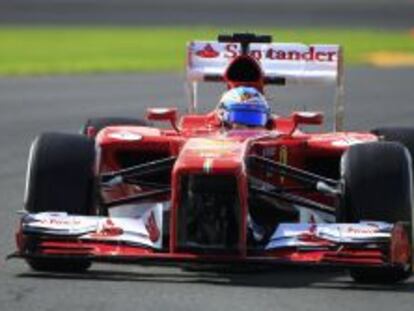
{"x": 202, "y": 147}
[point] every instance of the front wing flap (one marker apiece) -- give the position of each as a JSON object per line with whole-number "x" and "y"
{"x": 144, "y": 230}
{"x": 112, "y": 239}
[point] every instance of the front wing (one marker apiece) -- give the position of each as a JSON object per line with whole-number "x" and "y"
{"x": 140, "y": 239}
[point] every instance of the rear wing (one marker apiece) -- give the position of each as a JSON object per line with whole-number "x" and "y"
{"x": 281, "y": 64}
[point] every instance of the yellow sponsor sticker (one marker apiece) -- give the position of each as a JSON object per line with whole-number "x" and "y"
{"x": 283, "y": 158}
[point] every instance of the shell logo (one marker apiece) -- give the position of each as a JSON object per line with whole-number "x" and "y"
{"x": 108, "y": 229}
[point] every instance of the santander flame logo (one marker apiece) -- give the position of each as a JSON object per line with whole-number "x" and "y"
{"x": 208, "y": 52}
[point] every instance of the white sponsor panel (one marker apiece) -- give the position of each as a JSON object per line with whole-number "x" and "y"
{"x": 125, "y": 135}
{"x": 347, "y": 141}
{"x": 291, "y": 235}
{"x": 295, "y": 62}
{"x": 136, "y": 210}
{"x": 144, "y": 230}
{"x": 58, "y": 223}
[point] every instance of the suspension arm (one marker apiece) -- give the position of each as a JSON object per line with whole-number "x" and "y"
{"x": 139, "y": 170}
{"x": 319, "y": 183}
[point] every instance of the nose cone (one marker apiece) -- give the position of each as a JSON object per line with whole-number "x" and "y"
{"x": 211, "y": 155}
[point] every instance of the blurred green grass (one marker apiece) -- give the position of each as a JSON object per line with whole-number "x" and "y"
{"x": 70, "y": 50}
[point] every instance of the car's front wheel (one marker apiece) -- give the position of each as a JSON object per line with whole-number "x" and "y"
{"x": 60, "y": 178}
{"x": 377, "y": 180}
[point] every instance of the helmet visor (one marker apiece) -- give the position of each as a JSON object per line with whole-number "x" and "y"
{"x": 247, "y": 117}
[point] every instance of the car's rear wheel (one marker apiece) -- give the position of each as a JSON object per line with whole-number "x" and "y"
{"x": 377, "y": 181}
{"x": 60, "y": 178}
{"x": 92, "y": 126}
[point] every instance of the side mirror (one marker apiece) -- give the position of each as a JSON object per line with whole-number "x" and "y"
{"x": 305, "y": 117}
{"x": 163, "y": 114}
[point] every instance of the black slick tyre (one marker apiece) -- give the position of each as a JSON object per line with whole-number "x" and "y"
{"x": 377, "y": 180}
{"x": 60, "y": 178}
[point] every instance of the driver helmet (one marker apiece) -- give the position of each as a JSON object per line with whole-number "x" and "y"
{"x": 244, "y": 106}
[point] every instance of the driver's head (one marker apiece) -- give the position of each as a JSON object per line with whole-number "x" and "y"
{"x": 244, "y": 107}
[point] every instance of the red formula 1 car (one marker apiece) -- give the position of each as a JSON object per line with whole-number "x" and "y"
{"x": 198, "y": 192}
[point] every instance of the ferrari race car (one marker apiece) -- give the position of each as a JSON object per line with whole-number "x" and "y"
{"x": 124, "y": 191}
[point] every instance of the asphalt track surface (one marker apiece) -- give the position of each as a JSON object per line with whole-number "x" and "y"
{"x": 29, "y": 106}
{"x": 397, "y": 14}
